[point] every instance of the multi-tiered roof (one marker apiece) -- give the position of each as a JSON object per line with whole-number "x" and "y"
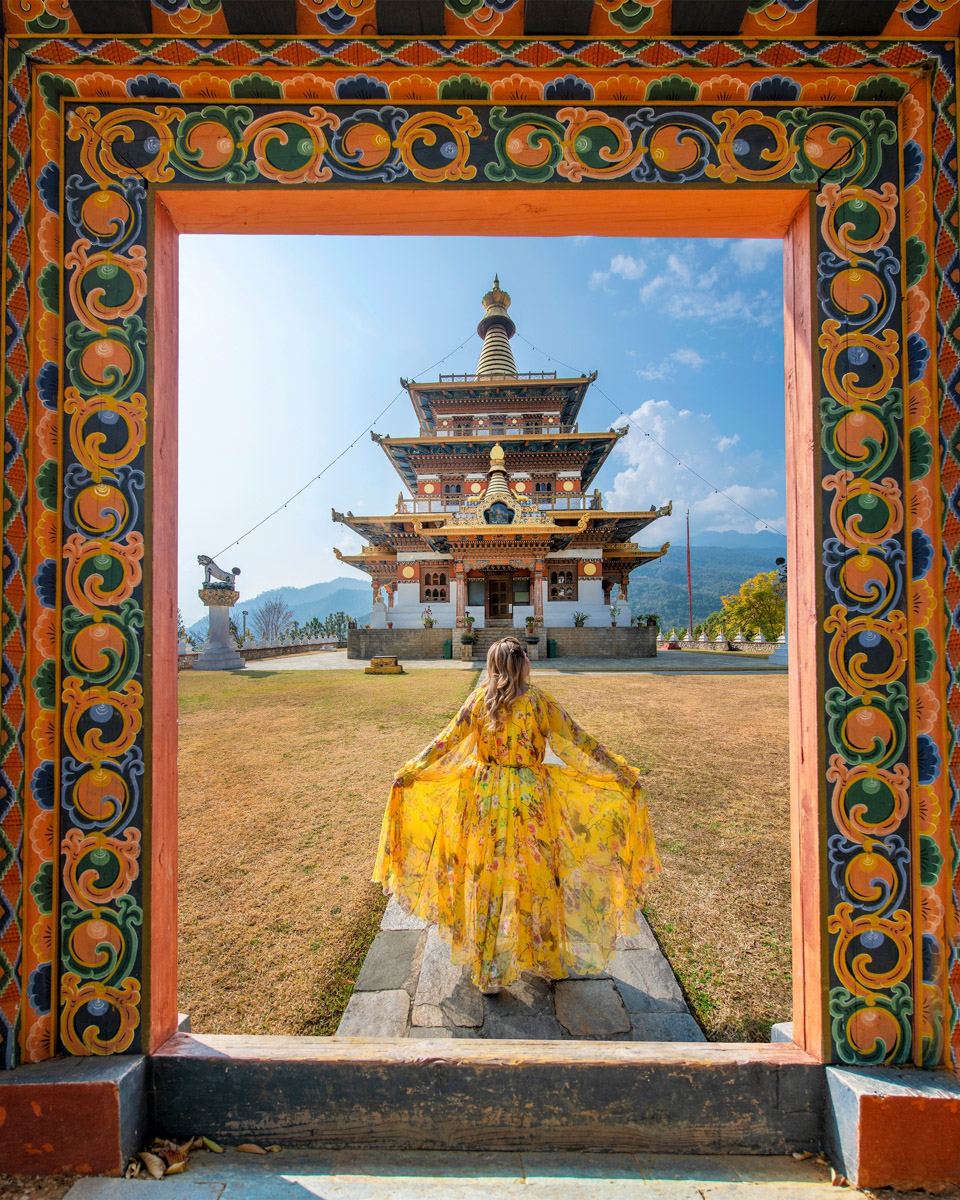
{"x": 498, "y": 426}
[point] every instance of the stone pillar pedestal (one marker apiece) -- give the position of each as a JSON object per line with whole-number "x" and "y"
{"x": 219, "y": 653}
{"x": 378, "y": 618}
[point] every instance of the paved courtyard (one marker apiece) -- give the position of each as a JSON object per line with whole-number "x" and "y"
{"x": 670, "y": 662}
{"x": 436, "y": 1175}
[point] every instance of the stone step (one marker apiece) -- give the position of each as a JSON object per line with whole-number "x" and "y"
{"x": 449, "y": 1093}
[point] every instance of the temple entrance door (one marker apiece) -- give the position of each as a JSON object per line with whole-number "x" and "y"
{"x": 499, "y": 597}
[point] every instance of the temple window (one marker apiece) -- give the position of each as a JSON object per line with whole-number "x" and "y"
{"x": 563, "y": 585}
{"x": 463, "y": 427}
{"x": 476, "y": 593}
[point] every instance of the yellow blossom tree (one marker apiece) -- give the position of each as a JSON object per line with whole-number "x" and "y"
{"x": 757, "y": 606}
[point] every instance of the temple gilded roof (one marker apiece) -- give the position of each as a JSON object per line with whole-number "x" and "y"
{"x": 585, "y": 452}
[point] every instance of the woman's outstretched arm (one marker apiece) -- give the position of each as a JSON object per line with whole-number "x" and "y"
{"x": 581, "y": 750}
{"x": 451, "y": 737}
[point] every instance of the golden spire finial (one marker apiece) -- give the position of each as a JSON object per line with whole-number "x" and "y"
{"x": 496, "y": 458}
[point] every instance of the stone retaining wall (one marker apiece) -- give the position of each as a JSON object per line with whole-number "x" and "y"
{"x": 252, "y": 653}
{"x": 601, "y": 642}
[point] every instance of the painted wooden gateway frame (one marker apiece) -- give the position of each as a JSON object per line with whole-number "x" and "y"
{"x": 114, "y": 146}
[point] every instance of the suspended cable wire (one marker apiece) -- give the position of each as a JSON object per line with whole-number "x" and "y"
{"x": 345, "y": 450}
{"x": 647, "y": 434}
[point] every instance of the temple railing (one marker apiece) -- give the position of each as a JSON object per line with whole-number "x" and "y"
{"x": 473, "y": 378}
{"x": 545, "y": 502}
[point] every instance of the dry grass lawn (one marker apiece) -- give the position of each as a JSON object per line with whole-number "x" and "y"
{"x": 283, "y": 780}
{"x": 715, "y": 750}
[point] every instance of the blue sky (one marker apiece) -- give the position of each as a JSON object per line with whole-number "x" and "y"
{"x": 289, "y": 346}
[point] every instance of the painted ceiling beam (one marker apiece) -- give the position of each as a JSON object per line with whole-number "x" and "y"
{"x": 690, "y": 18}
{"x": 853, "y": 18}
{"x": 410, "y": 18}
{"x": 257, "y": 17}
{"x": 556, "y": 18}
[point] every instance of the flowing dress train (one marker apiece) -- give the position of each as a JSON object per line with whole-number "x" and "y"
{"x": 524, "y": 865}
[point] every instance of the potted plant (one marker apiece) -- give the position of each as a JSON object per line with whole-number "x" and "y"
{"x": 614, "y": 612}
{"x": 427, "y": 618}
{"x": 468, "y": 637}
{"x": 650, "y": 619}
{"x": 580, "y": 619}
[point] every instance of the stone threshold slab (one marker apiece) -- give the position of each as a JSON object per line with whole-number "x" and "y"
{"x": 489, "y": 1095}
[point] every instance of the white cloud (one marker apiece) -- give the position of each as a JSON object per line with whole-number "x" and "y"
{"x": 627, "y": 267}
{"x": 750, "y": 255}
{"x": 688, "y": 357}
{"x": 685, "y": 356}
{"x": 599, "y": 279}
{"x": 650, "y": 476}
{"x": 685, "y": 292}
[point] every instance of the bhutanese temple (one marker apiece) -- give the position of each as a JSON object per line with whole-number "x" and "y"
{"x": 497, "y": 519}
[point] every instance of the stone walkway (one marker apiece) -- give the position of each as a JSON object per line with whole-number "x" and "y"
{"x": 669, "y": 662}
{"x": 463, "y": 1175}
{"x": 408, "y": 987}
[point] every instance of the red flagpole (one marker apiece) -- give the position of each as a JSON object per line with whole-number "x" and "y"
{"x": 689, "y": 584}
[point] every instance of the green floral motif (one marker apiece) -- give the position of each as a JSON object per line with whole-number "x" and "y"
{"x": 132, "y": 335}
{"x": 47, "y": 23}
{"x": 464, "y": 8}
{"x": 256, "y": 87}
{"x": 119, "y": 667}
{"x": 877, "y": 454}
{"x": 916, "y": 261}
{"x": 880, "y": 88}
{"x": 546, "y": 133}
{"x": 234, "y": 118}
{"x": 48, "y": 285}
{"x": 112, "y": 964}
{"x": 864, "y": 137}
{"x": 45, "y": 683}
{"x": 924, "y": 655}
{"x": 631, "y": 15}
{"x": 840, "y": 707}
{"x": 921, "y": 453}
{"x": 42, "y": 889}
{"x": 52, "y": 87}
{"x": 931, "y": 860}
{"x": 464, "y": 87}
{"x": 48, "y": 484}
{"x": 673, "y": 87}
{"x": 844, "y": 1005}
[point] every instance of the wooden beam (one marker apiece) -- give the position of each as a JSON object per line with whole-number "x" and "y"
{"x": 261, "y": 16}
{"x": 853, "y": 18}
{"x": 106, "y": 16}
{"x": 696, "y": 17}
{"x": 410, "y": 18}
{"x": 557, "y": 18}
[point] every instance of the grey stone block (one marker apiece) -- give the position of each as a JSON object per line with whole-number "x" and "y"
{"x": 376, "y": 1015}
{"x": 591, "y": 1008}
{"x": 643, "y": 940}
{"x": 535, "y": 1026}
{"x": 130, "y": 1189}
{"x": 646, "y": 982}
{"x": 390, "y": 962}
{"x": 445, "y": 995}
{"x": 665, "y": 1027}
{"x": 396, "y": 918}
{"x": 525, "y": 996}
{"x": 443, "y": 1031}
{"x": 782, "y": 1032}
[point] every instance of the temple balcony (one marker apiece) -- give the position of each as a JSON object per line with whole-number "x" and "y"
{"x": 545, "y": 502}
{"x": 473, "y": 378}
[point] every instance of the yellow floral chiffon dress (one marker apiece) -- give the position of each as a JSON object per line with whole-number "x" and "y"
{"x": 524, "y": 865}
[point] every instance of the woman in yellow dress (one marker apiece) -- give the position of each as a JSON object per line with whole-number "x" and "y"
{"x": 523, "y": 865}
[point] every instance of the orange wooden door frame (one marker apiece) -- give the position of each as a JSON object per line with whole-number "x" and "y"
{"x": 785, "y": 213}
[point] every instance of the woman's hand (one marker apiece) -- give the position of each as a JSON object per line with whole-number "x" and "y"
{"x": 403, "y": 780}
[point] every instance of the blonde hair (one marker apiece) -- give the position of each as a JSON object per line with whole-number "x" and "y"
{"x": 506, "y": 663}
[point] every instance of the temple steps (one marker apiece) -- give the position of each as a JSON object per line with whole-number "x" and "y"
{"x": 491, "y": 633}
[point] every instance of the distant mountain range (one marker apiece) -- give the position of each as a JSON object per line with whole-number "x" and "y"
{"x": 352, "y": 596}
{"x": 719, "y": 563}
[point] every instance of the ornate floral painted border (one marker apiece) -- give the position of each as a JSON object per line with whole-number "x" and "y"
{"x": 93, "y": 123}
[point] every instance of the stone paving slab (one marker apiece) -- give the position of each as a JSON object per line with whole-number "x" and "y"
{"x": 444, "y": 995}
{"x": 376, "y": 1015}
{"x": 636, "y": 999}
{"x": 444, "y": 1175}
{"x": 393, "y": 961}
